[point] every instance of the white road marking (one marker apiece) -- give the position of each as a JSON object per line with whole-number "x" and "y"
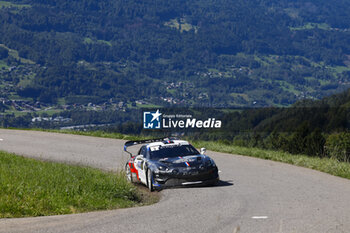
{"x": 219, "y": 171}
{"x": 259, "y": 217}
{"x": 1, "y": 139}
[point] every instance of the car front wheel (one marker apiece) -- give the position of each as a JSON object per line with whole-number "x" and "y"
{"x": 128, "y": 173}
{"x": 150, "y": 180}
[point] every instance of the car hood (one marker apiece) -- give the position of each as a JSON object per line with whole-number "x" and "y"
{"x": 187, "y": 161}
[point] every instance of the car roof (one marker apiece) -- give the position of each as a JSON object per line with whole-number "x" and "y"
{"x": 168, "y": 143}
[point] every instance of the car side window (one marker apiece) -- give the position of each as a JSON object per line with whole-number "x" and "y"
{"x": 139, "y": 151}
{"x": 143, "y": 151}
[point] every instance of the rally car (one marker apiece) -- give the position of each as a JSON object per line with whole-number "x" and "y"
{"x": 165, "y": 162}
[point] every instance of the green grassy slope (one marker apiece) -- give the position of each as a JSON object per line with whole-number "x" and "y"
{"x": 30, "y": 187}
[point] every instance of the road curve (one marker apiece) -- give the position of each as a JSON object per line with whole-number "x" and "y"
{"x": 255, "y": 195}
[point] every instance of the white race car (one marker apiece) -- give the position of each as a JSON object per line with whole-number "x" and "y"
{"x": 167, "y": 162}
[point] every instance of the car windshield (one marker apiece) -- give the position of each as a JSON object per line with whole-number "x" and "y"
{"x": 172, "y": 151}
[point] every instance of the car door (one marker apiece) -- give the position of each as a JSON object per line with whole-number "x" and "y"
{"x": 139, "y": 163}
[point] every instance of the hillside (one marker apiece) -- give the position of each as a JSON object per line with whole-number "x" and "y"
{"x": 199, "y": 53}
{"x": 317, "y": 128}
{"x": 330, "y": 114}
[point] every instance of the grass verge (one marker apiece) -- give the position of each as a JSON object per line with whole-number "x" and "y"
{"x": 31, "y": 187}
{"x": 327, "y": 165}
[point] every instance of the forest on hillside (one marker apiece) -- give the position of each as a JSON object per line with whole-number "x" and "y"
{"x": 316, "y": 128}
{"x": 219, "y": 53}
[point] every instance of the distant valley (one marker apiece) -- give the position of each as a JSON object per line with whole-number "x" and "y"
{"x": 59, "y": 55}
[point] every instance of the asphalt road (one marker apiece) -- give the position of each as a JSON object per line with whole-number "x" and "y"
{"x": 254, "y": 195}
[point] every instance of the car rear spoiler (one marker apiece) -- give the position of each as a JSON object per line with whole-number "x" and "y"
{"x": 137, "y": 142}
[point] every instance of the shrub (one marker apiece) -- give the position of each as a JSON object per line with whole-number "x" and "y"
{"x": 338, "y": 146}
{"x": 315, "y": 143}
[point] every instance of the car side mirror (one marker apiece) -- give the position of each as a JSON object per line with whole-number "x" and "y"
{"x": 203, "y": 150}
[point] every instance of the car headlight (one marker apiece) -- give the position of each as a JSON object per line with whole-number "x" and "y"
{"x": 210, "y": 163}
{"x": 162, "y": 168}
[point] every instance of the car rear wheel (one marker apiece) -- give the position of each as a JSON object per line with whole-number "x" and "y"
{"x": 150, "y": 180}
{"x": 128, "y": 173}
